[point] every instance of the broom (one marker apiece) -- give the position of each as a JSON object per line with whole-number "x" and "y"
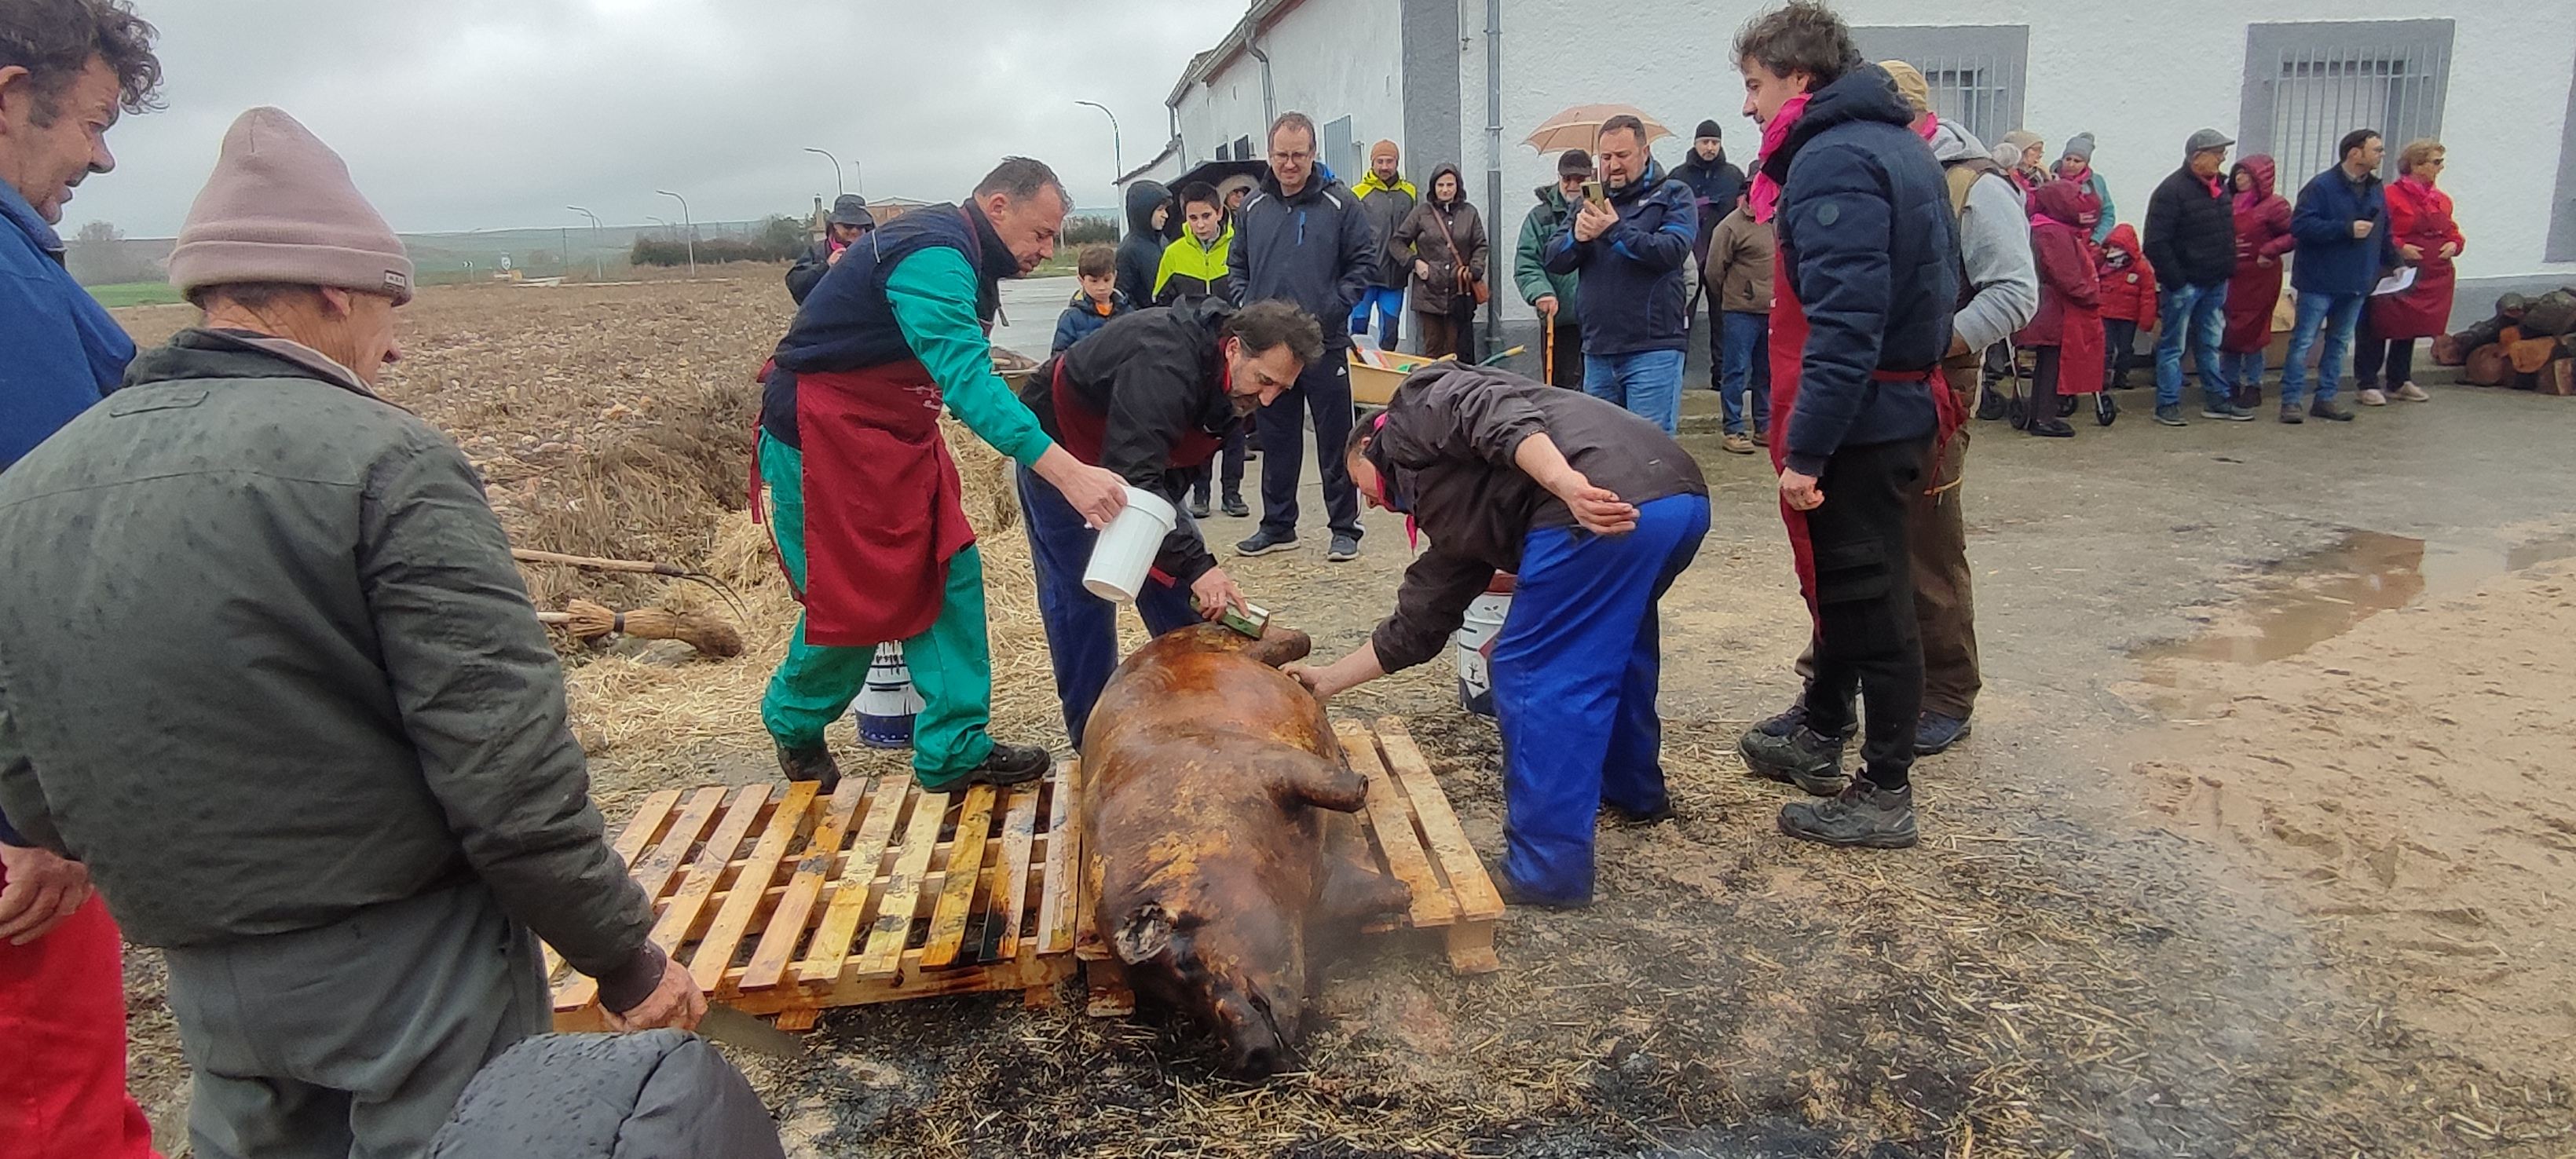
{"x": 634, "y": 567}
{"x": 589, "y": 621}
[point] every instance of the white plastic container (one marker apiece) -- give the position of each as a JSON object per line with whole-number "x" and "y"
{"x": 1473, "y": 647}
{"x": 887, "y": 702}
{"x": 1126, "y": 548}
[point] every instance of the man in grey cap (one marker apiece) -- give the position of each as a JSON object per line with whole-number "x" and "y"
{"x": 849, "y": 222}
{"x": 273, "y": 677}
{"x": 2191, "y": 242}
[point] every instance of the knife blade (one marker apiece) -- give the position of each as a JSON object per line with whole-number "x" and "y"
{"x": 732, "y": 1027}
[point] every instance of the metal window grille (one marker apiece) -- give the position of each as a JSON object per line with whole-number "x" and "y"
{"x": 1340, "y": 151}
{"x": 1975, "y": 73}
{"x": 2307, "y": 85}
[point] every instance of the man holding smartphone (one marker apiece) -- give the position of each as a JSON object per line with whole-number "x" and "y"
{"x": 2342, "y": 226}
{"x": 1628, "y": 242}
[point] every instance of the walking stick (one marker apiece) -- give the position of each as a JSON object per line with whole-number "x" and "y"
{"x": 1547, "y": 350}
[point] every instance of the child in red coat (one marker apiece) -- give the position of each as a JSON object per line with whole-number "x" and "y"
{"x": 2128, "y": 301}
{"x": 2066, "y": 334}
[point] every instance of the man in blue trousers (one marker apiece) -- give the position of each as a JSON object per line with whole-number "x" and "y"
{"x": 1629, "y": 248}
{"x": 2342, "y": 226}
{"x": 1150, "y": 396}
{"x": 1596, "y": 510}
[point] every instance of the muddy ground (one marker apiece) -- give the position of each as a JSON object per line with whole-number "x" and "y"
{"x": 2255, "y": 850}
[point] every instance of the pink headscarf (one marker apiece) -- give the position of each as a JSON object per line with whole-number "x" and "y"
{"x": 1931, "y": 125}
{"x": 1766, "y": 192}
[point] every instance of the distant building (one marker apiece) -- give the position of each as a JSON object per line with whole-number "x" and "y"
{"x": 1465, "y": 82}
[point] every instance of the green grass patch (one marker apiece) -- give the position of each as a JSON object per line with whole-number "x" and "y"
{"x": 135, "y": 294}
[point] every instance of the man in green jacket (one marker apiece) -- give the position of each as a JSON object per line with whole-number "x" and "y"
{"x": 1551, "y": 294}
{"x": 273, "y": 677}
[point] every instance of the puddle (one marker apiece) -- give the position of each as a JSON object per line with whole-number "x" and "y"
{"x": 2318, "y": 597}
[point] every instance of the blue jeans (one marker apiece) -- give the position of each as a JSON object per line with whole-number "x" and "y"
{"x": 1648, "y": 383}
{"x": 2197, "y": 315}
{"x": 2336, "y": 315}
{"x": 1748, "y": 357}
{"x": 1576, "y": 670}
{"x": 2244, "y": 371}
{"x": 1387, "y": 302}
{"x": 1081, "y": 628}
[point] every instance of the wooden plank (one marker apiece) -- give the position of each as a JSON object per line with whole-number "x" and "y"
{"x": 709, "y": 865}
{"x": 1474, "y": 888}
{"x": 1022, "y": 975}
{"x": 639, "y": 832}
{"x": 787, "y": 922}
{"x": 1056, "y": 908}
{"x": 848, "y": 908}
{"x": 883, "y": 955}
{"x": 654, "y": 873}
{"x": 1471, "y": 948}
{"x": 716, "y": 947}
{"x": 1019, "y": 832}
{"x": 965, "y": 868}
{"x": 1392, "y": 823}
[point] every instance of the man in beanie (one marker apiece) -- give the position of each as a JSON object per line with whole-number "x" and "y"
{"x": 1550, "y": 293}
{"x": 67, "y": 69}
{"x": 1386, "y": 199}
{"x": 2191, "y": 242}
{"x": 1715, "y": 183}
{"x": 277, "y": 682}
{"x": 849, "y": 222}
{"x": 2077, "y": 166}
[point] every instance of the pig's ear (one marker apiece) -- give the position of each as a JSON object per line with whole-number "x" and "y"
{"x": 1306, "y": 779}
{"x": 1144, "y": 936}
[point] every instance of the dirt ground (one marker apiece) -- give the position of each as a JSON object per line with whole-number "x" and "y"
{"x": 2251, "y": 854}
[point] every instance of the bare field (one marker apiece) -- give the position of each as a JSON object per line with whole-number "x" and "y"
{"x": 2123, "y": 936}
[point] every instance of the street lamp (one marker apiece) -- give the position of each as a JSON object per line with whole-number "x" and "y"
{"x": 597, "y": 272}
{"x": 1117, "y": 150}
{"x": 690, "y": 227}
{"x": 837, "y": 187}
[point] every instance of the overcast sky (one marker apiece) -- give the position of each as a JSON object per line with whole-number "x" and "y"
{"x": 478, "y": 114}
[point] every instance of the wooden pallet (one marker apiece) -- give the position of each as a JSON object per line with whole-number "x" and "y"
{"x": 1413, "y": 835}
{"x": 782, "y": 901}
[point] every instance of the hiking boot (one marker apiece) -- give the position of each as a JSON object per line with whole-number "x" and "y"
{"x": 2051, "y": 429}
{"x": 1007, "y": 764}
{"x": 1801, "y": 758}
{"x": 2409, "y": 392}
{"x": 2371, "y": 396}
{"x": 1789, "y": 721}
{"x": 1264, "y": 543}
{"x": 2170, "y": 416}
{"x": 1935, "y": 732}
{"x": 1736, "y": 445}
{"x": 1198, "y": 507}
{"x": 1345, "y": 549}
{"x": 2322, "y": 409}
{"x": 1990, "y": 406}
{"x": 2290, "y": 414}
{"x": 1234, "y": 507}
{"x": 1863, "y": 816}
{"x": 814, "y": 763}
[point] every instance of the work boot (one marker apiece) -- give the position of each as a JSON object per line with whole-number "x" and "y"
{"x": 1234, "y": 505}
{"x": 1788, "y": 721}
{"x": 1802, "y": 758}
{"x": 810, "y": 764}
{"x": 1007, "y": 764}
{"x": 1862, "y": 815}
{"x": 2321, "y": 409}
{"x": 1935, "y": 732}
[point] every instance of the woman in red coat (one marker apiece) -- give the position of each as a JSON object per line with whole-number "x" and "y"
{"x": 2262, "y": 239}
{"x": 2128, "y": 300}
{"x": 2420, "y": 222}
{"x": 2066, "y": 333}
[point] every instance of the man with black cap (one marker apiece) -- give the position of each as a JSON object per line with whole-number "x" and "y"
{"x": 1548, "y": 292}
{"x": 1715, "y": 183}
{"x": 849, "y": 222}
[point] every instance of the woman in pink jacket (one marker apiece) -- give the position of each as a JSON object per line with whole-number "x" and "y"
{"x": 2262, "y": 240}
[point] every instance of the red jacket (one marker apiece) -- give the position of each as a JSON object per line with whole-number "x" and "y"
{"x": 2420, "y": 215}
{"x": 2070, "y": 290}
{"x": 2263, "y": 240}
{"x": 2128, "y": 282}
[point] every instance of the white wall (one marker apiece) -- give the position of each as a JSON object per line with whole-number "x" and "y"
{"x": 1328, "y": 59}
{"x": 2140, "y": 77}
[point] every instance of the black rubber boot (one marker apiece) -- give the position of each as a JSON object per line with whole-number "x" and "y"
{"x": 810, "y": 764}
{"x": 1010, "y": 764}
{"x": 1863, "y": 816}
{"x": 1802, "y": 758}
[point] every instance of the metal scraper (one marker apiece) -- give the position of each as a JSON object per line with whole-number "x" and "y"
{"x": 734, "y": 1028}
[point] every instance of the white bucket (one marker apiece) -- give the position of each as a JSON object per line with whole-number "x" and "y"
{"x": 887, "y": 702}
{"x": 1126, "y": 548}
{"x": 1473, "y": 646}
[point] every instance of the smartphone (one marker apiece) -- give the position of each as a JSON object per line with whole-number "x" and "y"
{"x": 1593, "y": 193}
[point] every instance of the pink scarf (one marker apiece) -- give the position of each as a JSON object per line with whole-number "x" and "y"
{"x": 1766, "y": 192}
{"x": 1931, "y": 125}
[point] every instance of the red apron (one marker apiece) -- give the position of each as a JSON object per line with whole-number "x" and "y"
{"x": 1788, "y": 354}
{"x": 2080, "y": 357}
{"x": 884, "y": 509}
{"x": 2422, "y": 310}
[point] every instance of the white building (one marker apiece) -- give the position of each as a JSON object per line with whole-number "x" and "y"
{"x": 1455, "y": 80}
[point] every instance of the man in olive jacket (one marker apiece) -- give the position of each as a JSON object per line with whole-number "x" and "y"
{"x": 272, "y": 675}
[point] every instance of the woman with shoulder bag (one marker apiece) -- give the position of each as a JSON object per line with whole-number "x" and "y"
{"x": 1446, "y": 290}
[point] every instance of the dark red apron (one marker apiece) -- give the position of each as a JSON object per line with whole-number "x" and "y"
{"x": 884, "y": 509}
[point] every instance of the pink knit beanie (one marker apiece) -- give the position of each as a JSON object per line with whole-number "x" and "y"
{"x": 280, "y": 208}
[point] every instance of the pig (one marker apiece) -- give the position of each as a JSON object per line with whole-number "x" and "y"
{"x": 1218, "y": 838}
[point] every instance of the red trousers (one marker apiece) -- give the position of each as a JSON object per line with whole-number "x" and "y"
{"x": 62, "y": 1045}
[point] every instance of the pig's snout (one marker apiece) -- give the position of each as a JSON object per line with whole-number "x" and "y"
{"x": 1257, "y": 1036}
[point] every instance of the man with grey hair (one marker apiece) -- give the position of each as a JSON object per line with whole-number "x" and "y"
{"x": 295, "y": 710}
{"x": 1303, "y": 237}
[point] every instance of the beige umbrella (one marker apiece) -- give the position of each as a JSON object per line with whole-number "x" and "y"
{"x": 1577, "y": 127}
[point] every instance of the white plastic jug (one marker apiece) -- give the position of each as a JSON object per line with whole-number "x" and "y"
{"x": 1126, "y": 548}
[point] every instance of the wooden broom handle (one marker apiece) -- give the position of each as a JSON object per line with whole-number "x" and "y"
{"x": 531, "y": 555}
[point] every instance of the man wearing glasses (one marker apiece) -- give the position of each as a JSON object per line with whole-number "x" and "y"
{"x": 1303, "y": 238}
{"x": 1150, "y": 397}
